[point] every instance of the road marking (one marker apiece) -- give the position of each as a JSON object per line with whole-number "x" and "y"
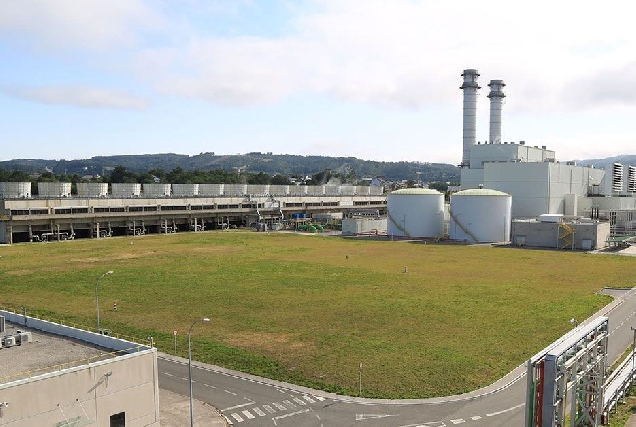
{"x": 186, "y": 379}
{"x": 291, "y": 414}
{"x": 248, "y": 414}
{"x": 269, "y": 409}
{"x": 209, "y": 385}
{"x": 289, "y": 404}
{"x": 229, "y": 392}
{"x": 258, "y": 411}
{"x": 279, "y": 406}
{"x": 319, "y": 398}
{"x": 237, "y": 417}
{"x": 168, "y": 374}
{"x": 476, "y": 417}
{"x": 242, "y": 405}
{"x": 505, "y": 410}
{"x": 308, "y": 399}
{"x": 300, "y": 402}
{"x": 458, "y": 421}
{"x": 360, "y": 417}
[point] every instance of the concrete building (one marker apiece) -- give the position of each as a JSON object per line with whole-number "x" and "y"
{"x": 576, "y": 234}
{"x": 80, "y": 378}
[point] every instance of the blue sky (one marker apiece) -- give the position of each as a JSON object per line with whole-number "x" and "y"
{"x": 377, "y": 80}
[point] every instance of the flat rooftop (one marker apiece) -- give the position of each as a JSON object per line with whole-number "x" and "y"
{"x": 46, "y": 353}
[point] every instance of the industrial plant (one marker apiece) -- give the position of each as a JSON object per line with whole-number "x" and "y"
{"x": 510, "y": 192}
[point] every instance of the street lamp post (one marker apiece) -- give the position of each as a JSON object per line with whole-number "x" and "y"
{"x": 574, "y": 322}
{"x": 633, "y": 349}
{"x": 205, "y": 319}
{"x": 97, "y": 296}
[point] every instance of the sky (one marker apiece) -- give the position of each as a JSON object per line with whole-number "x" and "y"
{"x": 376, "y": 80}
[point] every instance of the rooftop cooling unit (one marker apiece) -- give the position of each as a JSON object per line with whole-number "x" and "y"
{"x": 631, "y": 179}
{"x": 22, "y": 337}
{"x": 8, "y": 341}
{"x": 617, "y": 178}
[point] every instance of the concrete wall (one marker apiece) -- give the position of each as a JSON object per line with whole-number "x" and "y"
{"x": 127, "y": 383}
{"x": 98, "y": 390}
{"x": 353, "y": 226}
{"x": 546, "y": 234}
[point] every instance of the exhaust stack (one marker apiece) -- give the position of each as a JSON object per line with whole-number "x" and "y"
{"x": 469, "y": 87}
{"x": 496, "y": 96}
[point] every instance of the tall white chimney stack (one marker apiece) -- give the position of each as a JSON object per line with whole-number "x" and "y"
{"x": 469, "y": 87}
{"x": 496, "y": 96}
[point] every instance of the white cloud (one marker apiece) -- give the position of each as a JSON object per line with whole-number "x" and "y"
{"x": 90, "y": 25}
{"x": 80, "y": 96}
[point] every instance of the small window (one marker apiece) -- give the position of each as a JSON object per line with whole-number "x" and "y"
{"x": 118, "y": 420}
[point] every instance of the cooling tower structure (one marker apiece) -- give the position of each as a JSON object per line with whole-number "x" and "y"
{"x": 617, "y": 178}
{"x": 496, "y": 97}
{"x": 415, "y": 212}
{"x": 470, "y": 87}
{"x": 631, "y": 179}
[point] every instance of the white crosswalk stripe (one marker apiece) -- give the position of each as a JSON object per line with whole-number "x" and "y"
{"x": 289, "y": 404}
{"x": 458, "y": 421}
{"x": 475, "y": 418}
{"x": 269, "y": 409}
{"x": 320, "y": 398}
{"x": 248, "y": 415}
{"x": 279, "y": 406}
{"x": 237, "y": 417}
{"x": 259, "y": 412}
{"x": 300, "y": 402}
{"x": 308, "y": 399}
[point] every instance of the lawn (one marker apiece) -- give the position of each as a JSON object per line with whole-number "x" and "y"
{"x": 423, "y": 319}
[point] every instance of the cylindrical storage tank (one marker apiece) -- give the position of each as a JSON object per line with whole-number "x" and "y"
{"x": 125, "y": 189}
{"x": 298, "y": 190}
{"x": 315, "y": 190}
{"x": 15, "y": 190}
{"x": 185, "y": 190}
{"x": 258, "y": 190}
{"x": 92, "y": 189}
{"x": 211, "y": 189}
{"x": 235, "y": 190}
{"x": 415, "y": 212}
{"x": 480, "y": 216}
{"x": 54, "y": 189}
{"x": 362, "y": 190}
{"x": 156, "y": 190}
{"x": 279, "y": 190}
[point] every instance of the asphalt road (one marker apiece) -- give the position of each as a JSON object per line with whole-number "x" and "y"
{"x": 253, "y": 401}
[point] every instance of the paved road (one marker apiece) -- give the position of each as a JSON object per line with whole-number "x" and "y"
{"x": 253, "y": 401}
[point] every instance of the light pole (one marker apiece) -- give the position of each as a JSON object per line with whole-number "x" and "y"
{"x": 97, "y": 297}
{"x": 633, "y": 349}
{"x": 574, "y": 322}
{"x": 205, "y": 319}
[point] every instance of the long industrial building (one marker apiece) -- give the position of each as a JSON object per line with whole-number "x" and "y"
{"x": 56, "y": 214}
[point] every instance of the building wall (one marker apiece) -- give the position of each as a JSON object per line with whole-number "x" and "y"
{"x": 353, "y": 226}
{"x": 485, "y": 153}
{"x": 546, "y": 234}
{"x": 124, "y": 384}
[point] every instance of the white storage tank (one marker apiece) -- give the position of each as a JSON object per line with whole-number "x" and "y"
{"x": 54, "y": 189}
{"x": 156, "y": 190}
{"x": 480, "y": 216}
{"x": 92, "y": 189}
{"x": 211, "y": 189}
{"x": 279, "y": 190}
{"x": 185, "y": 190}
{"x": 125, "y": 189}
{"x": 235, "y": 190}
{"x": 415, "y": 212}
{"x": 15, "y": 190}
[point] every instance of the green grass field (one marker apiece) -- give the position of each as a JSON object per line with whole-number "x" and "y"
{"x": 310, "y": 309}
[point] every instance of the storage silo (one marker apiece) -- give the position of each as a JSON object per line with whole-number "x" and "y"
{"x": 125, "y": 189}
{"x": 185, "y": 190}
{"x": 415, "y": 212}
{"x": 92, "y": 189}
{"x": 156, "y": 190}
{"x": 480, "y": 216}
{"x": 15, "y": 190}
{"x": 54, "y": 189}
{"x": 211, "y": 189}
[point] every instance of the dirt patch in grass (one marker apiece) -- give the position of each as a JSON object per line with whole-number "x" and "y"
{"x": 20, "y": 272}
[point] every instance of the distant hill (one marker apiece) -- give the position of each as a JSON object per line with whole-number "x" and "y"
{"x": 625, "y": 159}
{"x": 271, "y": 164}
